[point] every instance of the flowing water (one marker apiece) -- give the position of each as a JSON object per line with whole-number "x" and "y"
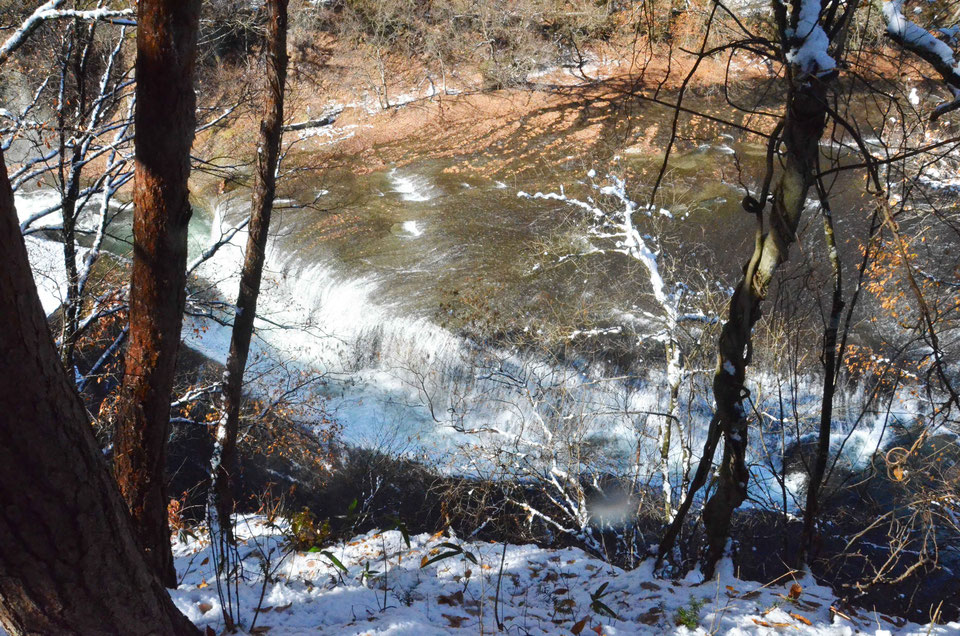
{"x": 401, "y": 290}
{"x": 367, "y": 285}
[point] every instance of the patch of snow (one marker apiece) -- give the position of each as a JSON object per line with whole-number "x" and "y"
{"x": 811, "y": 55}
{"x": 384, "y": 588}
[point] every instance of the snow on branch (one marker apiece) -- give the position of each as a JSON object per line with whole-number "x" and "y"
{"x": 51, "y": 11}
{"x": 621, "y": 228}
{"x": 918, "y": 40}
{"x": 225, "y": 237}
{"x": 811, "y": 54}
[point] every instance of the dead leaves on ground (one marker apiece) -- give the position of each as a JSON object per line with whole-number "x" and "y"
{"x": 801, "y": 618}
{"x": 455, "y": 621}
{"x": 450, "y": 599}
{"x": 582, "y": 623}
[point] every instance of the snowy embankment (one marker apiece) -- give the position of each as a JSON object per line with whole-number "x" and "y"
{"x": 49, "y": 271}
{"x": 46, "y": 256}
{"x": 377, "y": 583}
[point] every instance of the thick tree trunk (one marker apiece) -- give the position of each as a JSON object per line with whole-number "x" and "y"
{"x": 268, "y": 152}
{"x": 69, "y": 562}
{"x": 165, "y": 121}
{"x": 803, "y": 127}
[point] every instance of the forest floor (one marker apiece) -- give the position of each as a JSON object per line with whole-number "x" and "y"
{"x": 388, "y": 583}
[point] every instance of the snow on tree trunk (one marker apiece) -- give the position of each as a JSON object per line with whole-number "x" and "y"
{"x": 620, "y": 228}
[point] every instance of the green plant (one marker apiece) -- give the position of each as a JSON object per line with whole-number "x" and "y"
{"x": 689, "y": 616}
{"x": 305, "y": 533}
{"x": 597, "y": 605}
{"x": 452, "y": 549}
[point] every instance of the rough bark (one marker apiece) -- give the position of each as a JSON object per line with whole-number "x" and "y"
{"x": 268, "y": 151}
{"x": 804, "y": 124}
{"x": 69, "y": 563}
{"x": 165, "y": 120}
{"x": 800, "y": 132}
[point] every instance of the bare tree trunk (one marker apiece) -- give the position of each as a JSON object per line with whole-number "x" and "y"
{"x": 71, "y": 306}
{"x": 674, "y": 378}
{"x": 69, "y": 562}
{"x": 77, "y": 56}
{"x": 830, "y": 361}
{"x": 165, "y": 121}
{"x": 803, "y": 127}
{"x": 268, "y": 151}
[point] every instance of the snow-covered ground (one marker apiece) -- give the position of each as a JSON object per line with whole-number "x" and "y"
{"x": 49, "y": 271}
{"x": 46, "y": 256}
{"x": 383, "y": 587}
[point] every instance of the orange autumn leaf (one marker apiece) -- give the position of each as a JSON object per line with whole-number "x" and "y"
{"x": 802, "y": 619}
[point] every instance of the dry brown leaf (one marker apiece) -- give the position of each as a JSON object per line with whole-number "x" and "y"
{"x": 802, "y": 619}
{"x": 795, "y": 591}
{"x": 455, "y": 621}
{"x": 651, "y": 617}
{"x": 579, "y": 625}
{"x": 450, "y": 599}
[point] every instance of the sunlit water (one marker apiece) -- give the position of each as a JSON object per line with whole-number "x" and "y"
{"x": 354, "y": 286}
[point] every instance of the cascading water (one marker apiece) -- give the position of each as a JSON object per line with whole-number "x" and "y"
{"x": 353, "y": 315}
{"x": 396, "y": 379}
